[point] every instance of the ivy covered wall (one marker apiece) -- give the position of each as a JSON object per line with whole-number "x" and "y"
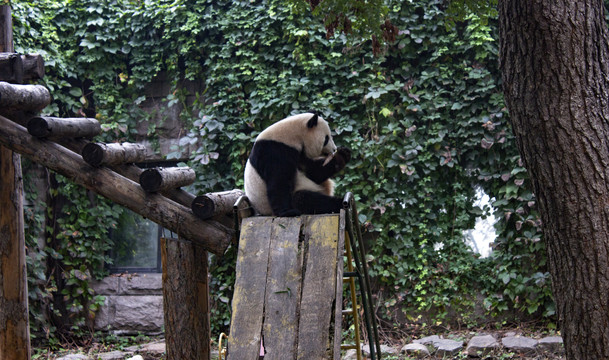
{"x": 425, "y": 120}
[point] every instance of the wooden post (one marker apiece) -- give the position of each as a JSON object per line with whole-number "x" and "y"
{"x": 14, "y": 326}
{"x": 186, "y": 300}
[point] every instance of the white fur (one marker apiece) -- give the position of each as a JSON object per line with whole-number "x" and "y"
{"x": 293, "y": 131}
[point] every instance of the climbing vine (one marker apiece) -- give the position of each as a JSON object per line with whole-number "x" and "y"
{"x": 425, "y": 118}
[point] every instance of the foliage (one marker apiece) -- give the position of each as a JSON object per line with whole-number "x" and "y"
{"x": 425, "y": 118}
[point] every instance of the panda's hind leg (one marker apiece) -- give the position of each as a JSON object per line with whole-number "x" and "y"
{"x": 311, "y": 202}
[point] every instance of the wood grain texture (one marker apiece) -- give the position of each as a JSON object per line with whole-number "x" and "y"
{"x": 319, "y": 288}
{"x": 283, "y": 289}
{"x": 250, "y": 287}
{"x": 185, "y": 300}
{"x": 14, "y": 326}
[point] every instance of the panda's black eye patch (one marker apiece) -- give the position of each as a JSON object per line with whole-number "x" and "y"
{"x": 326, "y": 140}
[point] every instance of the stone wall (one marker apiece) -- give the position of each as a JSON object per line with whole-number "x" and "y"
{"x": 133, "y": 304}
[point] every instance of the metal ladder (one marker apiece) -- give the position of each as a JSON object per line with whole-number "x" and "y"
{"x": 356, "y": 268}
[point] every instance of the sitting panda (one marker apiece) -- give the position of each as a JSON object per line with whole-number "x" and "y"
{"x": 289, "y": 168}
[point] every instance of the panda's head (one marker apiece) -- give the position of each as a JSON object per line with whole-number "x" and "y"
{"x": 307, "y": 132}
{"x": 318, "y": 138}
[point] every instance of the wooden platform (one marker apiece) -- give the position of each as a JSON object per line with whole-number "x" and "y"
{"x": 288, "y": 290}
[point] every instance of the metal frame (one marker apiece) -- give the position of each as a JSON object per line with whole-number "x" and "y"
{"x": 361, "y": 273}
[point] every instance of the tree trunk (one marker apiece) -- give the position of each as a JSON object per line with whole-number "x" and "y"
{"x": 554, "y": 60}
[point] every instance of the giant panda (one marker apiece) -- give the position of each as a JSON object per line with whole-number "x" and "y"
{"x": 289, "y": 168}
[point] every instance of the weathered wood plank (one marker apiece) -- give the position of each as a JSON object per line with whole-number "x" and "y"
{"x": 248, "y": 296}
{"x": 319, "y": 288}
{"x": 283, "y": 289}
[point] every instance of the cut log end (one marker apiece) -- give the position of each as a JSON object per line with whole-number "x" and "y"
{"x": 203, "y": 207}
{"x": 151, "y": 180}
{"x": 38, "y": 126}
{"x": 93, "y": 154}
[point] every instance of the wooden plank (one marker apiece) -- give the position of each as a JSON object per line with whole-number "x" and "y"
{"x": 248, "y": 296}
{"x": 319, "y": 289}
{"x": 283, "y": 290}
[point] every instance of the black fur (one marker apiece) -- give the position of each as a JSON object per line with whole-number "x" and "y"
{"x": 276, "y": 163}
{"x": 316, "y": 171}
{"x": 311, "y": 202}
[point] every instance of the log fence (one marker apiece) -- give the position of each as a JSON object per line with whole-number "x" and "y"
{"x": 109, "y": 170}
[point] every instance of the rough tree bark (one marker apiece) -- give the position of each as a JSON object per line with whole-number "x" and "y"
{"x": 14, "y": 325}
{"x": 555, "y": 65}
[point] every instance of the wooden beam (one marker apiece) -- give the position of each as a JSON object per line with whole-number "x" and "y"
{"x": 210, "y": 235}
{"x": 131, "y": 172}
{"x": 213, "y": 204}
{"x": 157, "y": 179}
{"x": 97, "y": 154}
{"x": 15, "y": 68}
{"x": 29, "y": 98}
{"x": 56, "y": 128}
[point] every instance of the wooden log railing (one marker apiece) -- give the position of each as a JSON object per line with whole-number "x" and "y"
{"x": 177, "y": 218}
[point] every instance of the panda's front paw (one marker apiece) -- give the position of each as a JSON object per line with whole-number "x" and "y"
{"x": 341, "y": 158}
{"x": 289, "y": 213}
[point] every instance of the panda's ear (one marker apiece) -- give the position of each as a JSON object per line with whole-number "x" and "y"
{"x": 312, "y": 122}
